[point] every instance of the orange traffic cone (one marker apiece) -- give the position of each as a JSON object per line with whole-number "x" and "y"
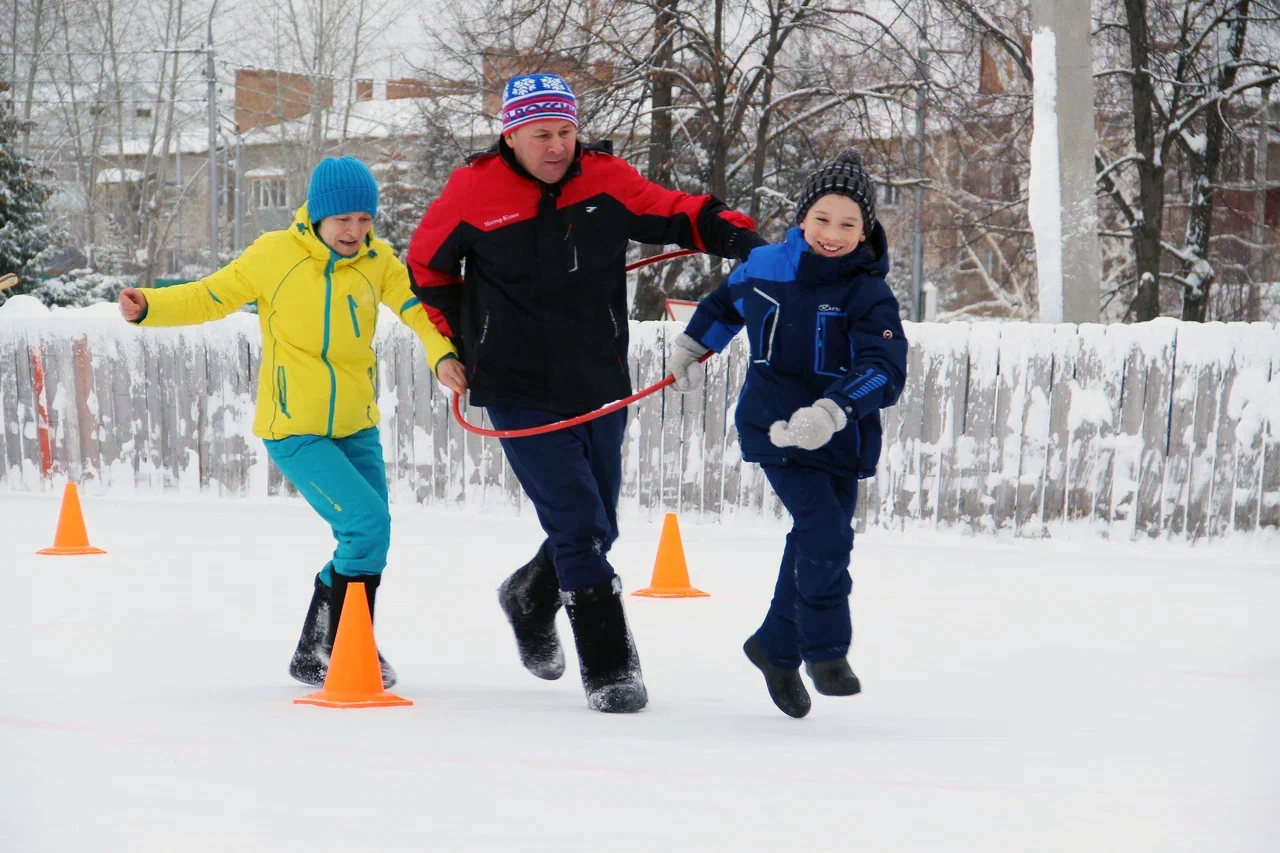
{"x": 354, "y": 679}
{"x": 71, "y": 537}
{"x": 670, "y": 572}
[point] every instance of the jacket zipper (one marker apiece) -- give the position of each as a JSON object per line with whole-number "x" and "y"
{"x": 484, "y": 333}
{"x": 324, "y": 347}
{"x": 355, "y": 322}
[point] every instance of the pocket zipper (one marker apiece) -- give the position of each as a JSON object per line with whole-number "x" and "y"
{"x": 355, "y": 323}
{"x": 282, "y": 392}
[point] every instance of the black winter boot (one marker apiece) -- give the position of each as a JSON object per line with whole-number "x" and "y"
{"x": 531, "y": 599}
{"x": 833, "y": 677}
{"x": 785, "y": 687}
{"x": 311, "y": 658}
{"x": 607, "y": 654}
{"x": 310, "y": 662}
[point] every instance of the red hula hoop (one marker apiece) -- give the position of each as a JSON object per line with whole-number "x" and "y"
{"x": 595, "y": 413}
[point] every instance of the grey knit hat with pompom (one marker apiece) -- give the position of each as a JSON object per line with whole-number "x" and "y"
{"x": 846, "y": 176}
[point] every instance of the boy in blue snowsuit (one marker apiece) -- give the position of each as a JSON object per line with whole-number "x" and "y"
{"x": 827, "y": 353}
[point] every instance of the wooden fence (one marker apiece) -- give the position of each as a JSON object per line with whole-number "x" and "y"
{"x": 1160, "y": 429}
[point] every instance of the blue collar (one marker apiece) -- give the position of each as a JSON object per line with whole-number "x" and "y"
{"x": 872, "y": 256}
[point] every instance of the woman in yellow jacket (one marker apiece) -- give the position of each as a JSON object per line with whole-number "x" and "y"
{"x": 318, "y": 285}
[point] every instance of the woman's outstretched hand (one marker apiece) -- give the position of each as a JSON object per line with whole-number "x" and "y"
{"x": 133, "y": 304}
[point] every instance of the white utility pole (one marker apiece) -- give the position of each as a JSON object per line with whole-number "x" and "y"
{"x": 917, "y": 210}
{"x": 1261, "y": 170}
{"x": 177, "y": 171}
{"x": 1072, "y": 293}
{"x": 213, "y": 144}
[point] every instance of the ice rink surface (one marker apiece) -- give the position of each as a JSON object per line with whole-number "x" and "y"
{"x": 1018, "y": 696}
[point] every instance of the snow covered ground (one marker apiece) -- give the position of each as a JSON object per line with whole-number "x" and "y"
{"x": 1019, "y": 696}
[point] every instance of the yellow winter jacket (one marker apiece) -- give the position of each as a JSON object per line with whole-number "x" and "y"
{"x": 317, "y": 311}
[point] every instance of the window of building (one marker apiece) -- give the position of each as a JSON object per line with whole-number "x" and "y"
{"x": 892, "y": 195}
{"x": 269, "y": 193}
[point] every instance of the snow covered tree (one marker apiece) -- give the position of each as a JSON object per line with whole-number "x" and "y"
{"x": 411, "y": 174}
{"x": 736, "y": 99}
{"x": 328, "y": 42}
{"x": 1175, "y": 83}
{"x": 739, "y": 105}
{"x": 81, "y": 287}
{"x": 27, "y": 237}
{"x": 975, "y": 94}
{"x": 1192, "y": 73}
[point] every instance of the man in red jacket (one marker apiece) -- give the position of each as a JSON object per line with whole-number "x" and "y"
{"x": 521, "y": 262}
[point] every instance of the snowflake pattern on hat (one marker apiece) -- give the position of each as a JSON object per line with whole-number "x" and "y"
{"x": 520, "y": 86}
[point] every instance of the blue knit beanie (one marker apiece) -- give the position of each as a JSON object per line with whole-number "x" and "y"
{"x": 341, "y": 185}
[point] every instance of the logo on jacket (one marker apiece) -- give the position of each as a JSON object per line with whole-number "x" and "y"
{"x": 828, "y": 308}
{"x": 591, "y": 209}
{"x": 888, "y": 334}
{"x": 506, "y": 217}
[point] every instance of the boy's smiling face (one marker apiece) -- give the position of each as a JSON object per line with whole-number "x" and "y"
{"x": 833, "y": 226}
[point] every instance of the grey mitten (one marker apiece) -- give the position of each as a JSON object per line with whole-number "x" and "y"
{"x": 810, "y": 427}
{"x": 683, "y": 363}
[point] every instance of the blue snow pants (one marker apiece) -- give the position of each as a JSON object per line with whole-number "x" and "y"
{"x": 345, "y": 480}
{"x": 573, "y": 477}
{"x": 808, "y": 619}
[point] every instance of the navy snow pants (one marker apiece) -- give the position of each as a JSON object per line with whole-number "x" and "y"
{"x": 808, "y": 619}
{"x": 573, "y": 477}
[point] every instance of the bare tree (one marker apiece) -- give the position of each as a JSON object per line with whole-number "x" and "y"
{"x": 330, "y": 43}
{"x": 105, "y": 89}
{"x": 1172, "y": 78}
{"x": 721, "y": 98}
{"x": 973, "y": 104}
{"x": 1193, "y": 69}
{"x": 32, "y": 33}
{"x": 1196, "y": 274}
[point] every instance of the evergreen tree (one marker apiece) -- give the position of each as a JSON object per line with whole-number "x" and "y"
{"x": 27, "y": 238}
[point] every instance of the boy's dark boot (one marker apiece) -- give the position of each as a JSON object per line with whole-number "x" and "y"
{"x": 310, "y": 662}
{"x": 531, "y": 598}
{"x": 785, "y": 687}
{"x": 833, "y": 677}
{"x": 607, "y": 654}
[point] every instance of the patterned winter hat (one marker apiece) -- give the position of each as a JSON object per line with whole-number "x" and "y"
{"x": 846, "y": 176}
{"x": 341, "y": 185}
{"x": 533, "y": 97}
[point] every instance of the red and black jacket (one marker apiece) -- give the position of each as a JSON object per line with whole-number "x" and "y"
{"x": 529, "y": 279}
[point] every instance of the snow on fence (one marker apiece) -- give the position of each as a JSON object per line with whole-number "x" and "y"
{"x": 1160, "y": 429}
